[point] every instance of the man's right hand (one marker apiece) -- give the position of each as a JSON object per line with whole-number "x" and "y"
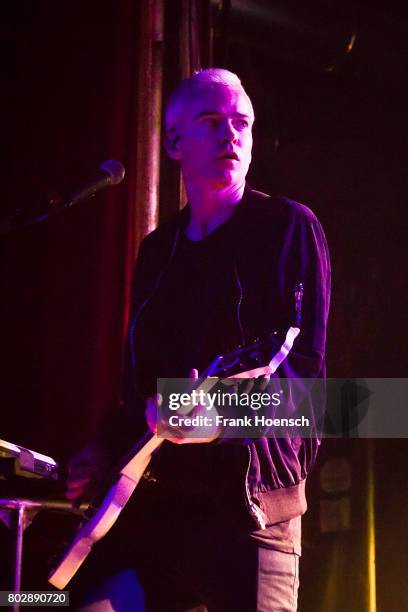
{"x": 152, "y": 406}
{"x": 85, "y": 471}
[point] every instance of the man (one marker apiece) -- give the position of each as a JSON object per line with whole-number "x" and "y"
{"x": 218, "y": 523}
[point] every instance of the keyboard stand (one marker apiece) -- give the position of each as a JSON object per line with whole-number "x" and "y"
{"x": 17, "y": 514}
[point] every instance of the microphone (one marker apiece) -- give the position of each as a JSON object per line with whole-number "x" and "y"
{"x": 111, "y": 172}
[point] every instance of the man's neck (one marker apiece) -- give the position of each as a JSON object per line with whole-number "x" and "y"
{"x": 210, "y": 208}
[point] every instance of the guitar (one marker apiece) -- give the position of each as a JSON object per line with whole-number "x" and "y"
{"x": 261, "y": 358}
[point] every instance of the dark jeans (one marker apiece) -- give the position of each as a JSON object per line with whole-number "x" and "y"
{"x": 166, "y": 555}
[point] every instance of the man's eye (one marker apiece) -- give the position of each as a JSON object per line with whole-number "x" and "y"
{"x": 212, "y": 121}
{"x": 242, "y": 123}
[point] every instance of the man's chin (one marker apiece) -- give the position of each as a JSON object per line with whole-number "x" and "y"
{"x": 220, "y": 180}
{"x": 226, "y": 179}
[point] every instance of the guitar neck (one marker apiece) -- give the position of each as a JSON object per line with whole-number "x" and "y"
{"x": 142, "y": 452}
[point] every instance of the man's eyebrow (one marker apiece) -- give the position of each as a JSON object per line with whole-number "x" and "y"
{"x": 206, "y": 113}
{"x": 214, "y": 112}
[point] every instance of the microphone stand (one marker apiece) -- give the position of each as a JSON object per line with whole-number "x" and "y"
{"x": 21, "y": 219}
{"x": 111, "y": 172}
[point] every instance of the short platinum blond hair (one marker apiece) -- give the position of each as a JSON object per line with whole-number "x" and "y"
{"x": 188, "y": 88}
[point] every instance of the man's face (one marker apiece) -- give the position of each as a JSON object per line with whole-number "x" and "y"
{"x": 215, "y": 137}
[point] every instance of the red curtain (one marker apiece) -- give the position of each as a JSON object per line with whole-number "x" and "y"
{"x": 75, "y": 97}
{"x": 87, "y": 87}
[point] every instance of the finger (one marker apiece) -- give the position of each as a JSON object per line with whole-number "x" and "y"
{"x": 152, "y": 404}
{"x": 152, "y": 424}
{"x": 199, "y": 410}
{"x": 155, "y": 400}
{"x": 229, "y": 382}
{"x": 264, "y": 382}
{"x": 185, "y": 440}
{"x": 248, "y": 386}
{"x": 193, "y": 374}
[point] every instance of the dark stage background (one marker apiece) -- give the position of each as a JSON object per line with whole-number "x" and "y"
{"x": 330, "y": 131}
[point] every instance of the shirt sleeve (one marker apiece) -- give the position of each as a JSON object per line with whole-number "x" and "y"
{"x": 305, "y": 260}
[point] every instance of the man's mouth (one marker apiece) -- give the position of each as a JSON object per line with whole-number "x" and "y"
{"x": 229, "y": 155}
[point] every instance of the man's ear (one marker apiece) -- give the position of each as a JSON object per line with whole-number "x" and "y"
{"x": 171, "y": 141}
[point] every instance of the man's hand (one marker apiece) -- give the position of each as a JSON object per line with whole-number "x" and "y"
{"x": 152, "y": 405}
{"x": 85, "y": 471}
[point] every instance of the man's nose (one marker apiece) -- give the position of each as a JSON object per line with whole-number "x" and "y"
{"x": 229, "y": 133}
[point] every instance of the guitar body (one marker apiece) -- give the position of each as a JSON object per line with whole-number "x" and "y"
{"x": 92, "y": 531}
{"x": 242, "y": 363}
{"x": 106, "y": 516}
